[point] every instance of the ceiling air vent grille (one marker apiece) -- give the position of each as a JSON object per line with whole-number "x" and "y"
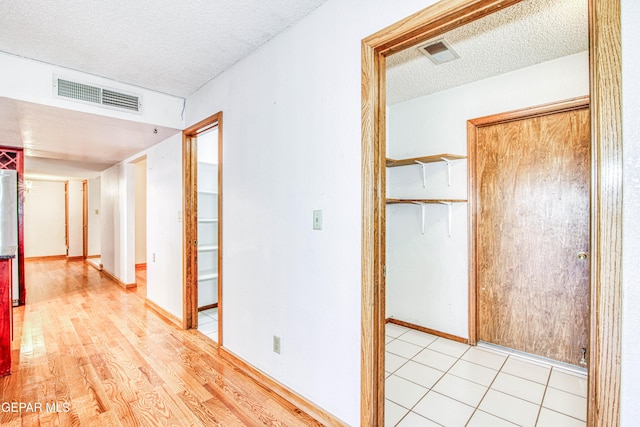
{"x": 120, "y": 100}
{"x": 79, "y": 91}
{"x": 97, "y": 95}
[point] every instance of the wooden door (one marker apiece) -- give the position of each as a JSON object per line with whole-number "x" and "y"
{"x": 532, "y": 184}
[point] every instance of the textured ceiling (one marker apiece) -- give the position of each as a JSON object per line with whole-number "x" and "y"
{"x": 169, "y": 46}
{"x": 526, "y": 34}
{"x": 176, "y": 47}
{"x": 70, "y": 136}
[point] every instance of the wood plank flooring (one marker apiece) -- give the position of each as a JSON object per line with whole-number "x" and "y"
{"x": 90, "y": 347}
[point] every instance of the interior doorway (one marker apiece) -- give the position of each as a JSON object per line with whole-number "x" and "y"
{"x": 202, "y": 163}
{"x": 91, "y": 222}
{"x": 140, "y": 221}
{"x": 604, "y": 37}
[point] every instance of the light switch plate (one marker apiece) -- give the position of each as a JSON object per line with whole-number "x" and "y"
{"x": 317, "y": 219}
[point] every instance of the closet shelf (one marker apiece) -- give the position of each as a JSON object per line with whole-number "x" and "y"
{"x": 207, "y": 220}
{"x": 423, "y": 161}
{"x": 423, "y": 204}
{"x": 207, "y": 248}
{"x": 208, "y": 192}
{"x": 391, "y": 163}
{"x": 427, "y": 201}
{"x": 207, "y": 276}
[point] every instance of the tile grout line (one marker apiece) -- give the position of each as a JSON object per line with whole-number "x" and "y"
{"x": 546, "y": 387}
{"x": 458, "y": 359}
{"x": 476, "y": 409}
{"x": 431, "y": 389}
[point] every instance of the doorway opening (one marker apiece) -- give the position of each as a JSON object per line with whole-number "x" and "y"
{"x": 202, "y": 165}
{"x": 91, "y": 220}
{"x": 605, "y": 207}
{"x": 140, "y": 222}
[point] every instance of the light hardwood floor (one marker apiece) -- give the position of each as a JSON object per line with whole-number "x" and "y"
{"x": 90, "y": 346}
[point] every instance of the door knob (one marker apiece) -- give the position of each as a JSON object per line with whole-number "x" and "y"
{"x": 582, "y": 255}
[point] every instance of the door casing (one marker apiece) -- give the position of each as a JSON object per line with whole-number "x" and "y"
{"x": 606, "y": 203}
{"x": 190, "y": 221}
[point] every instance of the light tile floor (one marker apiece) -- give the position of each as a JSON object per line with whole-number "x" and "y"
{"x": 433, "y": 381}
{"x": 208, "y": 323}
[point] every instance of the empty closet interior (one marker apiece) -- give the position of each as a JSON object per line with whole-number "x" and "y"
{"x": 530, "y": 54}
{"x": 207, "y": 242}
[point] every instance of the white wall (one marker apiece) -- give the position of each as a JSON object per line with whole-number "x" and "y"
{"x": 93, "y": 217}
{"x": 44, "y": 197}
{"x": 140, "y": 172}
{"x": 427, "y": 274}
{"x": 75, "y": 218}
{"x": 291, "y": 145}
{"x": 109, "y": 240}
{"x": 118, "y": 222}
{"x": 630, "y": 402}
{"x": 164, "y": 225}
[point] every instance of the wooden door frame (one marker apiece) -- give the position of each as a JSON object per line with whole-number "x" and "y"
{"x": 66, "y": 217}
{"x": 472, "y": 190}
{"x": 190, "y": 221}
{"x": 606, "y": 198}
{"x": 85, "y": 218}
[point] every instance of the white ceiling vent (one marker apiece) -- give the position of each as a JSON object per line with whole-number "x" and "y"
{"x": 96, "y": 95}
{"x": 439, "y": 51}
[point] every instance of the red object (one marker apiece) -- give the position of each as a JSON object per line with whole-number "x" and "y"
{"x": 6, "y": 317}
{"x": 12, "y": 158}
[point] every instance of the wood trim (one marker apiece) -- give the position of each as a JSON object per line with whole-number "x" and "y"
{"x": 190, "y": 221}
{"x": 605, "y": 52}
{"x": 190, "y": 209}
{"x": 114, "y": 279}
{"x": 437, "y": 19}
{"x": 141, "y": 266}
{"x": 207, "y": 307}
{"x": 97, "y": 267}
{"x": 163, "y": 314}
{"x": 220, "y": 231}
{"x": 47, "y": 258}
{"x": 66, "y": 216}
{"x": 75, "y": 258}
{"x": 473, "y": 190}
{"x": 606, "y": 122}
{"x": 85, "y": 218}
{"x": 531, "y": 112}
{"x": 428, "y": 331}
{"x": 92, "y": 256}
{"x": 282, "y": 393}
{"x": 472, "y": 197}
{"x": 373, "y": 237}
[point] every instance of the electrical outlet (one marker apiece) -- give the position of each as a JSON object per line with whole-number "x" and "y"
{"x": 317, "y": 219}
{"x": 153, "y": 257}
{"x": 276, "y": 344}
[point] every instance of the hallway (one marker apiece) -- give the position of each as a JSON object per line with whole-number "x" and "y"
{"x": 95, "y": 350}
